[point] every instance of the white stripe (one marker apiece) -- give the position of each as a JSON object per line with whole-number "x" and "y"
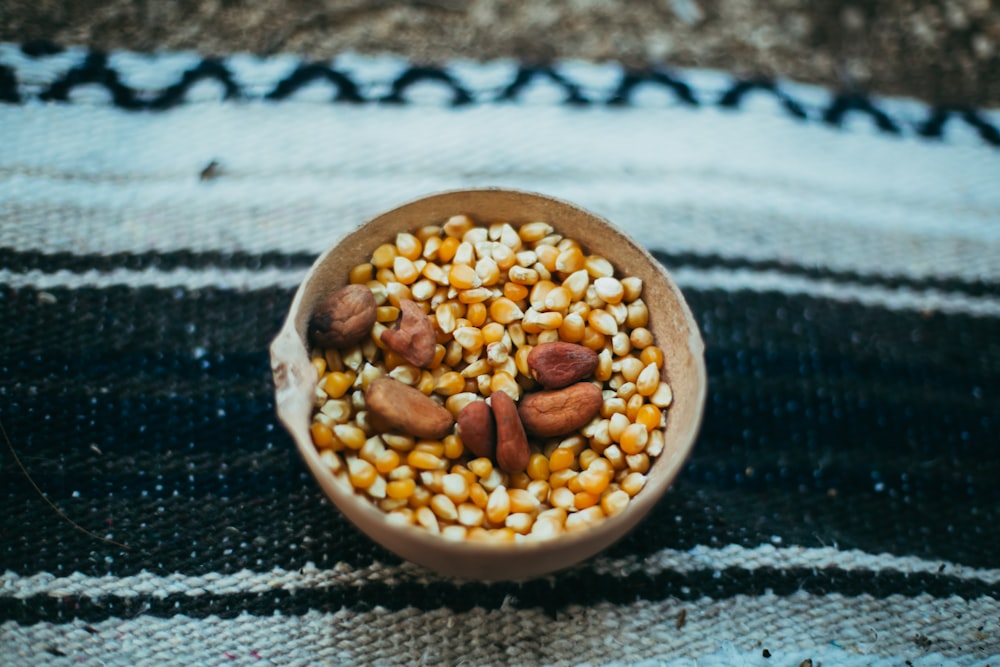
{"x": 828, "y": 629}
{"x": 699, "y": 559}
{"x": 97, "y": 180}
{"x": 896, "y": 298}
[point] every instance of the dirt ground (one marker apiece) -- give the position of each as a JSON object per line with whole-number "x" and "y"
{"x": 942, "y": 51}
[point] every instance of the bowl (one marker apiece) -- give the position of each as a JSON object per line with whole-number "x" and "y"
{"x": 671, "y": 322}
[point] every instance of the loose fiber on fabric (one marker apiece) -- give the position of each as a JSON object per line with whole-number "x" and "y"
{"x": 841, "y": 256}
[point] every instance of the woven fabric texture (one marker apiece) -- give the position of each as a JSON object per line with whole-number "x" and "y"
{"x": 841, "y": 255}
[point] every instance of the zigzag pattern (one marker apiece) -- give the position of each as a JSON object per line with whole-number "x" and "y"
{"x": 352, "y": 88}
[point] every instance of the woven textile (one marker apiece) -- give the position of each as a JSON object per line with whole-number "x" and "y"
{"x": 841, "y": 255}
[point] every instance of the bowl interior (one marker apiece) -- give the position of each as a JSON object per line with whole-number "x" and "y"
{"x": 670, "y": 321}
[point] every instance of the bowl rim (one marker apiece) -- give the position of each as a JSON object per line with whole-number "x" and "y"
{"x": 290, "y": 348}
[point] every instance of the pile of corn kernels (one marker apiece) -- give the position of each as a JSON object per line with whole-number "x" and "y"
{"x": 492, "y": 293}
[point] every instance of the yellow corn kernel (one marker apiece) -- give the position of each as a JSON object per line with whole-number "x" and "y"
{"x": 386, "y": 461}
{"x": 656, "y": 443}
{"x": 337, "y": 383}
{"x": 400, "y": 489}
{"x": 470, "y": 338}
{"x": 453, "y": 446}
{"x": 498, "y": 506}
{"x": 613, "y": 453}
{"x": 637, "y": 314}
{"x": 361, "y": 274}
{"x": 457, "y": 225}
{"x": 426, "y": 518}
{"x": 503, "y": 381}
{"x": 385, "y": 276}
{"x": 561, "y": 459}
{"x": 504, "y": 256}
{"x": 521, "y": 360}
{"x": 562, "y": 498}
{"x": 481, "y": 466}
{"x": 630, "y": 368}
{"x": 465, "y": 253}
{"x": 456, "y": 487}
{"x": 649, "y": 416}
{"x": 536, "y": 297}
{"x": 470, "y": 514}
{"x": 572, "y": 328}
{"x": 634, "y": 438}
{"x": 504, "y": 311}
{"x": 598, "y": 267}
{"x": 534, "y": 231}
{"x": 561, "y": 478}
{"x": 539, "y": 488}
{"x": 633, "y": 483}
{"x": 648, "y": 381}
{"x": 405, "y": 270}
{"x": 522, "y": 276}
{"x": 519, "y": 522}
{"x": 352, "y": 436}
{"x": 408, "y": 245}
{"x": 522, "y": 501}
{"x": 576, "y": 284}
{"x": 449, "y": 383}
{"x": 584, "y": 518}
{"x": 420, "y": 497}
{"x": 456, "y": 402}
{"x": 594, "y": 481}
{"x": 322, "y": 435}
{"x": 586, "y": 457}
{"x": 652, "y": 355}
{"x": 601, "y": 321}
{"x": 444, "y": 507}
{"x": 633, "y": 287}
{"x": 538, "y": 466}
{"x": 384, "y": 255}
{"x": 463, "y": 276}
{"x": 663, "y": 396}
{"x": 478, "y": 495}
{"x": 612, "y": 405}
{"x": 593, "y": 339}
{"x": 431, "y": 246}
{"x": 396, "y": 292}
{"x": 609, "y": 290}
{"x": 488, "y": 271}
{"x": 613, "y": 503}
{"x": 537, "y": 322}
{"x": 570, "y": 260}
{"x": 476, "y": 314}
{"x": 385, "y": 314}
{"x": 617, "y": 423}
{"x": 602, "y": 465}
{"x": 635, "y": 402}
{"x": 446, "y": 252}
{"x": 582, "y": 500}
{"x": 319, "y": 363}
{"x": 638, "y": 462}
{"x": 515, "y": 291}
{"x": 422, "y": 460}
{"x": 361, "y": 473}
{"x": 475, "y": 295}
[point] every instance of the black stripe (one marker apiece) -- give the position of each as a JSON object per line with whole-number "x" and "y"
{"x": 826, "y": 423}
{"x": 551, "y": 595}
{"x": 22, "y": 261}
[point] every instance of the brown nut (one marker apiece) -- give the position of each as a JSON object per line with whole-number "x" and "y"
{"x": 345, "y": 318}
{"x": 560, "y": 411}
{"x": 478, "y": 429}
{"x": 512, "y": 442}
{"x": 559, "y": 364}
{"x": 395, "y": 406}
{"x": 412, "y": 337}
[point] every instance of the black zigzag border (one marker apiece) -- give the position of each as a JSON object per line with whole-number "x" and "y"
{"x": 94, "y": 69}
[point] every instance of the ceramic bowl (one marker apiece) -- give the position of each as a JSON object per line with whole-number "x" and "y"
{"x": 671, "y": 322}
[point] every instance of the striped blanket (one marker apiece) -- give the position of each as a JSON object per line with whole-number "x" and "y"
{"x": 841, "y": 255}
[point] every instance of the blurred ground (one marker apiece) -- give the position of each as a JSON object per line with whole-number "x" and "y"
{"x": 942, "y": 51}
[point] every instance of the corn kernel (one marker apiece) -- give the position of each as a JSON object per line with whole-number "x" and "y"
{"x": 652, "y": 354}
{"x": 562, "y": 498}
{"x": 602, "y": 322}
{"x": 570, "y": 260}
{"x": 481, "y": 466}
{"x": 457, "y": 225}
{"x": 361, "y": 473}
{"x": 663, "y": 396}
{"x": 656, "y": 443}
{"x": 539, "y": 489}
{"x": 561, "y": 478}
{"x": 633, "y": 483}
{"x": 538, "y": 466}
{"x": 649, "y": 416}
{"x": 521, "y": 501}
{"x": 422, "y": 460}
{"x": 386, "y": 461}
{"x": 634, "y": 438}
{"x": 428, "y": 519}
{"x": 593, "y": 339}
{"x": 420, "y": 497}
{"x": 637, "y": 314}
{"x": 648, "y": 381}
{"x": 384, "y": 255}
{"x": 449, "y": 246}
{"x": 470, "y": 514}
{"x": 405, "y": 270}
{"x": 337, "y": 383}
{"x": 352, "y": 436}
{"x": 561, "y": 459}
{"x": 408, "y": 245}
{"x": 361, "y": 274}
{"x": 322, "y": 435}
{"x": 498, "y": 506}
{"x": 456, "y": 402}
{"x": 519, "y": 522}
{"x": 455, "y": 487}
{"x": 534, "y": 231}
{"x": 515, "y": 291}
{"x": 615, "y": 502}
{"x": 598, "y": 267}
{"x": 444, "y": 507}
{"x": 478, "y": 495}
{"x": 638, "y": 462}
{"x": 400, "y": 489}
